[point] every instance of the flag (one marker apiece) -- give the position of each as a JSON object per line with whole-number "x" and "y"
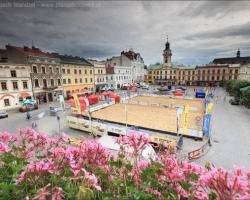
{"x": 209, "y": 108}
{"x": 185, "y": 119}
{"x": 77, "y": 103}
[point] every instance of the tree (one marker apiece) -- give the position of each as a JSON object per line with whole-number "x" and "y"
{"x": 237, "y": 85}
{"x": 245, "y": 99}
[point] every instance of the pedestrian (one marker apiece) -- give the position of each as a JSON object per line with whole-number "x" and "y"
{"x": 225, "y": 98}
{"x": 28, "y": 115}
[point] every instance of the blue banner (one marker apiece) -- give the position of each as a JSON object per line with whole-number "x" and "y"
{"x": 206, "y": 124}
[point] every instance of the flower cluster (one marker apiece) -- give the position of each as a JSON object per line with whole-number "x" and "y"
{"x": 35, "y": 166}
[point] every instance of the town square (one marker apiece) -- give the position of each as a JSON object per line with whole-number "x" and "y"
{"x": 93, "y": 110}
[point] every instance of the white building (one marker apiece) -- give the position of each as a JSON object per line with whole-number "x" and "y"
{"x": 136, "y": 63}
{"x": 244, "y": 72}
{"x": 117, "y": 74}
{"x": 15, "y": 85}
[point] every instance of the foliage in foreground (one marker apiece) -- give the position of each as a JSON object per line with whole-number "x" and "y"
{"x": 34, "y": 166}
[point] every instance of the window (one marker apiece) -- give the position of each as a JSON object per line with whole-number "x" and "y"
{"x": 85, "y": 71}
{"x": 75, "y": 71}
{"x": 43, "y": 70}
{"x": 223, "y": 78}
{"x": 91, "y": 80}
{"x": 213, "y": 71}
{"x": 3, "y": 85}
{"x": 57, "y": 70}
{"x": 231, "y": 71}
{"x": 64, "y": 81}
{"x": 199, "y": 71}
{"x": 80, "y": 80}
{"x": 76, "y": 80}
{"x": 52, "y": 82}
{"x": 34, "y": 69}
{"x": 90, "y": 72}
{"x": 69, "y": 81}
{"x": 86, "y": 80}
{"x": 13, "y": 73}
{"x": 224, "y": 71}
{"x": 44, "y": 83}
{"x": 58, "y": 82}
{"x": 6, "y": 102}
{"x": 25, "y": 85}
{"x": 80, "y": 71}
{"x": 218, "y": 78}
{"x": 15, "y": 85}
{"x": 36, "y": 83}
{"x": 50, "y": 69}
{"x": 218, "y": 71}
{"x": 63, "y": 71}
{"x": 208, "y": 71}
{"x": 68, "y": 71}
{"x": 236, "y": 71}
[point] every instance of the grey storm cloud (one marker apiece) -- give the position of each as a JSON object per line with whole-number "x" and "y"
{"x": 198, "y": 31}
{"x": 236, "y": 30}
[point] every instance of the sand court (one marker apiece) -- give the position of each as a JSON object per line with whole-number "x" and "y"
{"x": 151, "y": 117}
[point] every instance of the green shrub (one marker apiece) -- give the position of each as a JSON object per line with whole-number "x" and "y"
{"x": 245, "y": 98}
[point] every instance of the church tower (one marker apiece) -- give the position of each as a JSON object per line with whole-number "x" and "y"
{"x": 167, "y": 54}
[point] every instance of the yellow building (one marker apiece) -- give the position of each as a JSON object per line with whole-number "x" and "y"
{"x": 78, "y": 75}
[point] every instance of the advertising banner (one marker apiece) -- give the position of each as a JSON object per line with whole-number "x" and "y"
{"x": 206, "y": 124}
{"x": 185, "y": 119}
{"x": 209, "y": 108}
{"x": 77, "y": 103}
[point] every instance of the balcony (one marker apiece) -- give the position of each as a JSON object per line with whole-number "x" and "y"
{"x": 50, "y": 87}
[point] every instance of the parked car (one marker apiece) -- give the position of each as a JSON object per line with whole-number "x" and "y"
{"x": 144, "y": 86}
{"x": 54, "y": 109}
{"x": 181, "y": 88}
{"x": 28, "y": 107}
{"x": 235, "y": 101}
{"x": 3, "y": 114}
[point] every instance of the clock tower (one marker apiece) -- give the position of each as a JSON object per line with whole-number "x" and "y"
{"x": 167, "y": 54}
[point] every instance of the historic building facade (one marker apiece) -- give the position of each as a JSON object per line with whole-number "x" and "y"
{"x": 242, "y": 62}
{"x": 99, "y": 73}
{"x": 77, "y": 74}
{"x": 212, "y": 74}
{"x": 15, "y": 84}
{"x": 45, "y": 71}
{"x": 136, "y": 63}
{"x": 121, "y": 73}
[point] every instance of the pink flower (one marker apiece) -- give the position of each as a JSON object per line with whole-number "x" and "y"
{"x": 4, "y": 148}
{"x": 7, "y": 137}
{"x": 92, "y": 180}
{"x": 57, "y": 194}
{"x": 201, "y": 195}
{"x": 21, "y": 178}
{"x": 43, "y": 193}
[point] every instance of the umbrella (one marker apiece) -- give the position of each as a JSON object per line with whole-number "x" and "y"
{"x": 28, "y": 101}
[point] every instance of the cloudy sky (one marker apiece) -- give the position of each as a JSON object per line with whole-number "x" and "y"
{"x": 198, "y": 31}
